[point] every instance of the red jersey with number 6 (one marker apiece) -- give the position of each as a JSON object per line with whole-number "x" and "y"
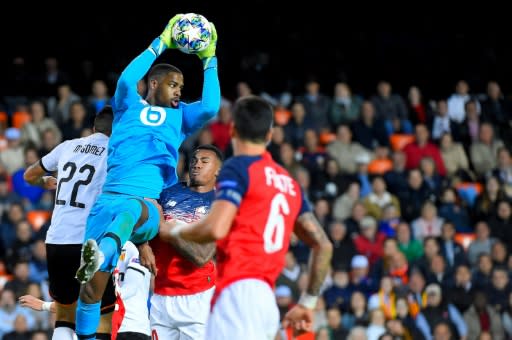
{"x": 269, "y": 201}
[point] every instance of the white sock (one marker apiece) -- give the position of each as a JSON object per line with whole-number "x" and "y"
{"x": 63, "y": 333}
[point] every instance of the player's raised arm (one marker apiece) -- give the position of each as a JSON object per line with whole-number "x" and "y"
{"x": 126, "y": 90}
{"x": 36, "y": 174}
{"x": 197, "y": 113}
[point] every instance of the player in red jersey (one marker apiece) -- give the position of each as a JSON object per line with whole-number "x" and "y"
{"x": 257, "y": 207}
{"x": 186, "y": 274}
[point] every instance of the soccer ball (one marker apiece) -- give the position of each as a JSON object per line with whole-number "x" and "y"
{"x": 192, "y": 33}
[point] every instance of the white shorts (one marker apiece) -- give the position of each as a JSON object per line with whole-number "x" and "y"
{"x": 245, "y": 309}
{"x": 180, "y": 317}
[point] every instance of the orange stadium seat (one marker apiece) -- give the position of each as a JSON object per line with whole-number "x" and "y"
{"x": 464, "y": 239}
{"x": 282, "y": 116}
{"x": 380, "y": 166}
{"x": 327, "y": 137}
{"x": 4, "y": 119}
{"x": 305, "y": 336}
{"x": 399, "y": 140}
{"x": 37, "y": 218}
{"x": 20, "y": 118}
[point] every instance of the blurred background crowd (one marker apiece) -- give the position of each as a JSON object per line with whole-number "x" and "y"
{"x": 414, "y": 192}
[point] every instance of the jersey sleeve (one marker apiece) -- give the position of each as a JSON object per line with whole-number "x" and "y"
{"x": 233, "y": 182}
{"x": 305, "y": 206}
{"x": 50, "y": 161}
{"x": 196, "y": 114}
{"x": 126, "y": 91}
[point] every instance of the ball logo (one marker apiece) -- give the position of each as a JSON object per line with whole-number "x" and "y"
{"x": 153, "y": 116}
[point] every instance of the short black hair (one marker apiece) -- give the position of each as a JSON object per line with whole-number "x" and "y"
{"x": 253, "y": 118}
{"x": 103, "y": 120}
{"x": 210, "y": 147}
{"x": 160, "y": 70}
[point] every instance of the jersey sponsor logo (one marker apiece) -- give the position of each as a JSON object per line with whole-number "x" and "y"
{"x": 171, "y": 203}
{"x": 135, "y": 260}
{"x": 201, "y": 210}
{"x": 153, "y": 115}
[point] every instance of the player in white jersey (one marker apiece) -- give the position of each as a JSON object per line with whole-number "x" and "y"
{"x": 132, "y": 283}
{"x": 81, "y": 166}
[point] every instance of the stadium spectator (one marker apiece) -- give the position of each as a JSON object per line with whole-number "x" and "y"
{"x": 422, "y": 147}
{"x": 481, "y": 317}
{"x": 484, "y": 151}
{"x": 345, "y": 106}
{"x": 391, "y": 108}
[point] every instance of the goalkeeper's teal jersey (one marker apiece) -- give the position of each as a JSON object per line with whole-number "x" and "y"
{"x": 143, "y": 148}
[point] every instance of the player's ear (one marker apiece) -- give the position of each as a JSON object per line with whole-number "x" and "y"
{"x": 268, "y": 136}
{"x": 153, "y": 84}
{"x": 232, "y": 131}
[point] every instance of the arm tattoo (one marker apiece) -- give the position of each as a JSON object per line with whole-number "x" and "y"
{"x": 199, "y": 254}
{"x": 309, "y": 230}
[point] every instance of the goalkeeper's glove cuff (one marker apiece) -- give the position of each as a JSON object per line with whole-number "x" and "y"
{"x": 209, "y": 62}
{"x": 157, "y": 46}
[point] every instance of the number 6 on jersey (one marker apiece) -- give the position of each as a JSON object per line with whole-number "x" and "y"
{"x": 274, "y": 228}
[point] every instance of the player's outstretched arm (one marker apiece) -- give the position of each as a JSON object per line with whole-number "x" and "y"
{"x": 36, "y": 175}
{"x": 209, "y": 52}
{"x": 198, "y": 113}
{"x": 36, "y": 304}
{"x": 309, "y": 230}
{"x": 198, "y": 254}
{"x": 212, "y": 227}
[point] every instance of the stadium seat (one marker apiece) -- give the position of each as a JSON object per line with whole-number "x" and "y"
{"x": 399, "y": 140}
{"x": 380, "y": 166}
{"x": 326, "y": 137}
{"x": 37, "y": 218}
{"x": 4, "y": 119}
{"x": 464, "y": 239}
{"x": 20, "y": 118}
{"x": 282, "y": 116}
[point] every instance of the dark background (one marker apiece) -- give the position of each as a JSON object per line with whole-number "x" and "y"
{"x": 361, "y": 46}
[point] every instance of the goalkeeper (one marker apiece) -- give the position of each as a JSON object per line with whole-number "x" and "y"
{"x": 142, "y": 159}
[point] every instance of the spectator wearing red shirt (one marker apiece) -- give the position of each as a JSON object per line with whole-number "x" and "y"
{"x": 220, "y": 127}
{"x": 370, "y": 242}
{"x": 421, "y": 148}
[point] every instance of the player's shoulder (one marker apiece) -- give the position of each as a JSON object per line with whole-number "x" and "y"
{"x": 180, "y": 186}
{"x": 95, "y": 137}
{"x": 241, "y": 162}
{"x": 172, "y": 191}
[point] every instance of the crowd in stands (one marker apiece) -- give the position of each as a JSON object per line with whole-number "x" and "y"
{"x": 415, "y": 194}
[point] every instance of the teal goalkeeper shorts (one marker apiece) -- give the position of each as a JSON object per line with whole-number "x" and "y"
{"x": 107, "y": 208}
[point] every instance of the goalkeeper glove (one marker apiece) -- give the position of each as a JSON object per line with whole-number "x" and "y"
{"x": 209, "y": 52}
{"x": 166, "y": 36}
